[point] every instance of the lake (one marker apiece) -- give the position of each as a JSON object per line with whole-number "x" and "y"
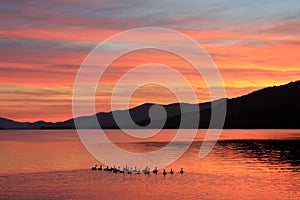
{"x": 244, "y": 164}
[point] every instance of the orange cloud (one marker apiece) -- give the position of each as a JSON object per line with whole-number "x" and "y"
{"x": 40, "y": 56}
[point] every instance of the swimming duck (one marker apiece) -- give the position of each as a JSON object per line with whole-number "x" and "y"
{"x": 155, "y": 170}
{"x": 171, "y": 172}
{"x": 146, "y": 170}
{"x": 94, "y": 168}
{"x": 181, "y": 171}
{"x": 110, "y": 169}
{"x": 134, "y": 171}
{"x": 125, "y": 169}
{"x": 164, "y": 173}
{"x": 129, "y": 171}
{"x": 138, "y": 171}
{"x": 116, "y": 170}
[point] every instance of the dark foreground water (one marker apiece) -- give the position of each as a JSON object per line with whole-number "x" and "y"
{"x": 244, "y": 164}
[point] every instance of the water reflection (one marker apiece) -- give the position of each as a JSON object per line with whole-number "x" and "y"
{"x": 263, "y": 155}
{"x": 237, "y": 151}
{"x": 276, "y": 154}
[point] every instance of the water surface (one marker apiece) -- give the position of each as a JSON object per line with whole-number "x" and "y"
{"x": 249, "y": 164}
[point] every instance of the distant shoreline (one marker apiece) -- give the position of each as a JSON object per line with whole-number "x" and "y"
{"x": 275, "y": 107}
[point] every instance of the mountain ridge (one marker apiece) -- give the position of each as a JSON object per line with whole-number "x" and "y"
{"x": 267, "y": 108}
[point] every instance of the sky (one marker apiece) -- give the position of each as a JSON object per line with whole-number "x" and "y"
{"x": 254, "y": 44}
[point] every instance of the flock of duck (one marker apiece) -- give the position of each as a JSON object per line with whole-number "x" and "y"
{"x": 127, "y": 170}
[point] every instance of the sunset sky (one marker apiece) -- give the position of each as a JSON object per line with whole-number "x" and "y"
{"x": 255, "y": 44}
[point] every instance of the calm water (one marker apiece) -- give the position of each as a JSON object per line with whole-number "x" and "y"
{"x": 248, "y": 164}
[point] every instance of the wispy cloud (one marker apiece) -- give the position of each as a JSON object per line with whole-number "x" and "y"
{"x": 43, "y": 43}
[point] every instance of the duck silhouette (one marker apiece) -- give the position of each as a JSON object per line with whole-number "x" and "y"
{"x": 134, "y": 171}
{"x": 171, "y": 172}
{"x": 164, "y": 172}
{"x": 125, "y": 169}
{"x": 138, "y": 171}
{"x": 116, "y": 170}
{"x": 146, "y": 170}
{"x": 94, "y": 168}
{"x": 110, "y": 169}
{"x": 181, "y": 171}
{"x": 155, "y": 170}
{"x": 129, "y": 171}
{"x": 100, "y": 168}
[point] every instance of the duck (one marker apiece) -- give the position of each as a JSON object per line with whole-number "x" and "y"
{"x": 134, "y": 171}
{"x": 171, "y": 172}
{"x": 100, "y": 168}
{"x": 181, "y": 171}
{"x": 139, "y": 171}
{"x": 122, "y": 171}
{"x": 94, "y": 168}
{"x": 129, "y": 171}
{"x": 146, "y": 170}
{"x": 106, "y": 169}
{"x": 110, "y": 169}
{"x": 116, "y": 170}
{"x": 164, "y": 173}
{"x": 155, "y": 170}
{"x": 125, "y": 169}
